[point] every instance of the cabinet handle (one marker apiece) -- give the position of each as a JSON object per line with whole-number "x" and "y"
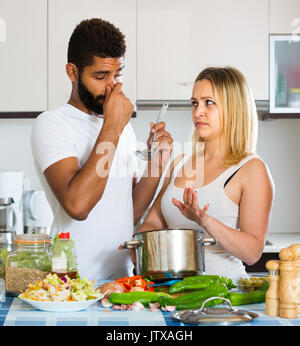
{"x": 2, "y": 30}
{"x": 185, "y": 83}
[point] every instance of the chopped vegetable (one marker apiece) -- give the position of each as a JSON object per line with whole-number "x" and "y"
{"x": 53, "y": 288}
{"x": 252, "y": 283}
{"x": 135, "y": 281}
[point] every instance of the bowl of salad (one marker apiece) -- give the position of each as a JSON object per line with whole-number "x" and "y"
{"x": 61, "y": 294}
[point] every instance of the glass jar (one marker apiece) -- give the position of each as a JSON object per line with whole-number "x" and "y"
{"x": 7, "y": 246}
{"x": 29, "y": 263}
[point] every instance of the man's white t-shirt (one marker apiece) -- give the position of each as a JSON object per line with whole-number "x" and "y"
{"x": 69, "y": 132}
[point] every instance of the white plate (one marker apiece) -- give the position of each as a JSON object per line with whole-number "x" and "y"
{"x": 61, "y": 306}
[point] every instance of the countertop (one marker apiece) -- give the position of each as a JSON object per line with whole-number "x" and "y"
{"x": 281, "y": 240}
{"x": 15, "y": 312}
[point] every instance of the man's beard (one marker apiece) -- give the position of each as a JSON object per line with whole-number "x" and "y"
{"x": 92, "y": 103}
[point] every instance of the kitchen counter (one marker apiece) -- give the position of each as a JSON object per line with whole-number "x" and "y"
{"x": 15, "y": 312}
{"x": 281, "y": 240}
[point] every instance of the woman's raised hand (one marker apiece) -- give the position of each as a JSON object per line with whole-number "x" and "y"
{"x": 190, "y": 207}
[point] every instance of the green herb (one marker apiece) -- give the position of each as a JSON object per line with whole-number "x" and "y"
{"x": 3, "y": 255}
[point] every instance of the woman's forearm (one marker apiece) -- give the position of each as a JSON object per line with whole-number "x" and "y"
{"x": 245, "y": 246}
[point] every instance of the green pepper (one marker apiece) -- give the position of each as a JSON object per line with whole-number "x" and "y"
{"x": 216, "y": 278}
{"x": 256, "y": 296}
{"x": 194, "y": 300}
{"x": 130, "y": 297}
{"x": 201, "y": 278}
{"x": 193, "y": 283}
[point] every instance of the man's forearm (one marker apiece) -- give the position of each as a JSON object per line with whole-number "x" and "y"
{"x": 90, "y": 181}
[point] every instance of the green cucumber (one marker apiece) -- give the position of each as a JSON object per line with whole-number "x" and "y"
{"x": 194, "y": 300}
{"x": 193, "y": 283}
{"x": 131, "y": 297}
{"x": 256, "y": 296}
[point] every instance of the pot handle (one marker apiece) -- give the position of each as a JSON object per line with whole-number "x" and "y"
{"x": 131, "y": 244}
{"x": 208, "y": 241}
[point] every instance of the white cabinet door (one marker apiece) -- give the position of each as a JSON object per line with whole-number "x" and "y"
{"x": 284, "y": 17}
{"x": 64, "y": 15}
{"x": 23, "y": 55}
{"x": 177, "y": 39}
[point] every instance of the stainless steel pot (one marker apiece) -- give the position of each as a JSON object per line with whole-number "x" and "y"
{"x": 169, "y": 253}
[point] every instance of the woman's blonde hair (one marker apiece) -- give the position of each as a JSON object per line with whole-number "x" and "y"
{"x": 237, "y": 110}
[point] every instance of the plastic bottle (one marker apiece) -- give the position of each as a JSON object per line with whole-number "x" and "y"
{"x": 2, "y": 290}
{"x": 64, "y": 257}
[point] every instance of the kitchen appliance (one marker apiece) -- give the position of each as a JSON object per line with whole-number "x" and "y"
{"x": 170, "y": 253}
{"x": 11, "y": 206}
{"x": 38, "y": 216}
{"x": 7, "y": 237}
{"x": 10, "y": 215}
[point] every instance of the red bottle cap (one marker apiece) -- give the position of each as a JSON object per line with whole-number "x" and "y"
{"x": 64, "y": 235}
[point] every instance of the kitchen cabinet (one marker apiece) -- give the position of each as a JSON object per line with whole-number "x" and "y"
{"x": 23, "y": 56}
{"x": 284, "y": 17}
{"x": 176, "y": 40}
{"x": 64, "y": 15}
{"x": 285, "y": 74}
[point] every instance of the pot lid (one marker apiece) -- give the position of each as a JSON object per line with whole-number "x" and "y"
{"x": 6, "y": 200}
{"x": 214, "y": 315}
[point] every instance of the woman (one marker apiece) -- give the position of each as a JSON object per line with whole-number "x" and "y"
{"x": 222, "y": 186}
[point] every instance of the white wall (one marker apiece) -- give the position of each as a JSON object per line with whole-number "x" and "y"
{"x": 278, "y": 145}
{"x": 15, "y": 150}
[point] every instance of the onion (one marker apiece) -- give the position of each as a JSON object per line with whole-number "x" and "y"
{"x": 154, "y": 307}
{"x": 137, "y": 289}
{"x": 110, "y": 287}
{"x": 106, "y": 303}
{"x": 137, "y": 306}
{"x": 170, "y": 308}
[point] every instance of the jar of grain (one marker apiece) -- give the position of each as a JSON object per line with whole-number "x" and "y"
{"x": 29, "y": 263}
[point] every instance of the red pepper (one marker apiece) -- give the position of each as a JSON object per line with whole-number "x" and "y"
{"x": 134, "y": 281}
{"x": 151, "y": 289}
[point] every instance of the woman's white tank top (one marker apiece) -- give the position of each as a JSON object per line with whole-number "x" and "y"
{"x": 221, "y": 207}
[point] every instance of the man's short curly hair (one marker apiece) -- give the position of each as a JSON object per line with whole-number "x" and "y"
{"x": 95, "y": 37}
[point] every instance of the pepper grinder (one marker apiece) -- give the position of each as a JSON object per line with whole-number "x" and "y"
{"x": 272, "y": 294}
{"x": 296, "y": 248}
{"x": 287, "y": 284}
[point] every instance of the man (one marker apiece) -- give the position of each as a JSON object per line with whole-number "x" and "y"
{"x": 84, "y": 155}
